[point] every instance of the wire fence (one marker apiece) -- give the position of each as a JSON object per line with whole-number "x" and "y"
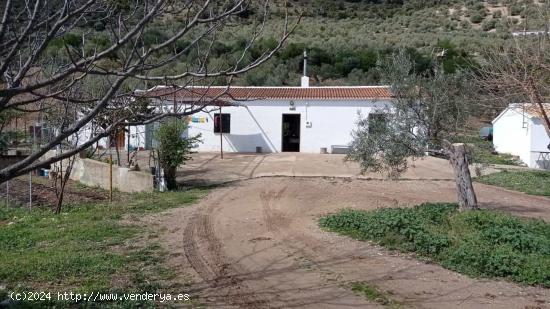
{"x": 19, "y": 192}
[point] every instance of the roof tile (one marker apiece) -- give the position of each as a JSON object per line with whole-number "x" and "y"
{"x": 259, "y": 93}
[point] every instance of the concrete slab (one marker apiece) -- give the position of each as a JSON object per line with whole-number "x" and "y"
{"x": 209, "y": 168}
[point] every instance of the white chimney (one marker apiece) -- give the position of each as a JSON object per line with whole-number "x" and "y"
{"x": 305, "y": 81}
{"x": 305, "y": 78}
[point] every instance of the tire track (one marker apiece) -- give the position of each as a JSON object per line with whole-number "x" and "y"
{"x": 273, "y": 219}
{"x": 204, "y": 251}
{"x": 301, "y": 265}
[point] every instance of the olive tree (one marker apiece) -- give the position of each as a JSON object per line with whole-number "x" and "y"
{"x": 426, "y": 110}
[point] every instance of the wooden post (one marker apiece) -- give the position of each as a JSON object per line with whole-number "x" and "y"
{"x": 175, "y": 102}
{"x": 128, "y": 147}
{"x": 110, "y": 177}
{"x": 30, "y": 190}
{"x": 8, "y": 193}
{"x": 221, "y": 133}
{"x": 467, "y": 199}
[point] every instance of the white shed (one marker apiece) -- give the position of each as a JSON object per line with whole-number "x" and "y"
{"x": 276, "y": 119}
{"x": 520, "y": 131}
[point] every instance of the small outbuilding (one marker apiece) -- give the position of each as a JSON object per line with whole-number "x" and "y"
{"x": 520, "y": 130}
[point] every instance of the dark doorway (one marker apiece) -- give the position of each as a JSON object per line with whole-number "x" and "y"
{"x": 291, "y": 132}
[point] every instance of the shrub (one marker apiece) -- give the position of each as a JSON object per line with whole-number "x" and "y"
{"x": 476, "y": 18}
{"x": 173, "y": 149}
{"x": 489, "y": 25}
{"x": 516, "y": 9}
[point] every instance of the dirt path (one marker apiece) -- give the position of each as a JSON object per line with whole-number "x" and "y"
{"x": 256, "y": 244}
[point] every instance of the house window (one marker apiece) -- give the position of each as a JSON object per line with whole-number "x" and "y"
{"x": 377, "y": 123}
{"x": 225, "y": 123}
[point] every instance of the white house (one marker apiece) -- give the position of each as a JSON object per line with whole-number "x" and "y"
{"x": 263, "y": 119}
{"x": 272, "y": 119}
{"x": 520, "y": 131}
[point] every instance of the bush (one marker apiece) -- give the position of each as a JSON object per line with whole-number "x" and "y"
{"x": 476, "y": 243}
{"x": 476, "y": 18}
{"x": 489, "y": 25}
{"x": 173, "y": 149}
{"x": 516, "y": 9}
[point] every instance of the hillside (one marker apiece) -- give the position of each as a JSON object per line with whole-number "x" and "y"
{"x": 345, "y": 39}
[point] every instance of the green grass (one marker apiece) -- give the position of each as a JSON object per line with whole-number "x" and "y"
{"x": 374, "y": 294}
{"x": 482, "y": 151}
{"x": 476, "y": 243}
{"x": 530, "y": 182}
{"x": 85, "y": 248}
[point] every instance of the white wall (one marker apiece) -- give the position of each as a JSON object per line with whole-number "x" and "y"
{"x": 259, "y": 123}
{"x": 85, "y": 134}
{"x": 539, "y": 143}
{"x": 510, "y": 135}
{"x": 137, "y": 137}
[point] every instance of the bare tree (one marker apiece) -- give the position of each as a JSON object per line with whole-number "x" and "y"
{"x": 519, "y": 73}
{"x": 60, "y": 177}
{"x": 426, "y": 110}
{"x": 49, "y": 47}
{"x": 59, "y": 116}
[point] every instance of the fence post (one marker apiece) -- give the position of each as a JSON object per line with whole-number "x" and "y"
{"x": 110, "y": 177}
{"x": 30, "y": 190}
{"x": 7, "y": 194}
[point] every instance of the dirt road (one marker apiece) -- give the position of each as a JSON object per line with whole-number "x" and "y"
{"x": 256, "y": 244}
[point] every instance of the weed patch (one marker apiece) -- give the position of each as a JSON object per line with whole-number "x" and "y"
{"x": 477, "y": 243}
{"x": 530, "y": 182}
{"x": 373, "y": 294}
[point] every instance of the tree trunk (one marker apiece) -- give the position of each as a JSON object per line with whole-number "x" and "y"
{"x": 64, "y": 176}
{"x": 467, "y": 199}
{"x": 59, "y": 203}
{"x": 170, "y": 177}
{"x": 116, "y": 148}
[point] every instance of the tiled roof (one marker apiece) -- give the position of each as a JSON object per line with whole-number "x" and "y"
{"x": 284, "y": 93}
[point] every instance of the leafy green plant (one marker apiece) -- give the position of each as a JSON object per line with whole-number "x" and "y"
{"x": 173, "y": 148}
{"x": 477, "y": 243}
